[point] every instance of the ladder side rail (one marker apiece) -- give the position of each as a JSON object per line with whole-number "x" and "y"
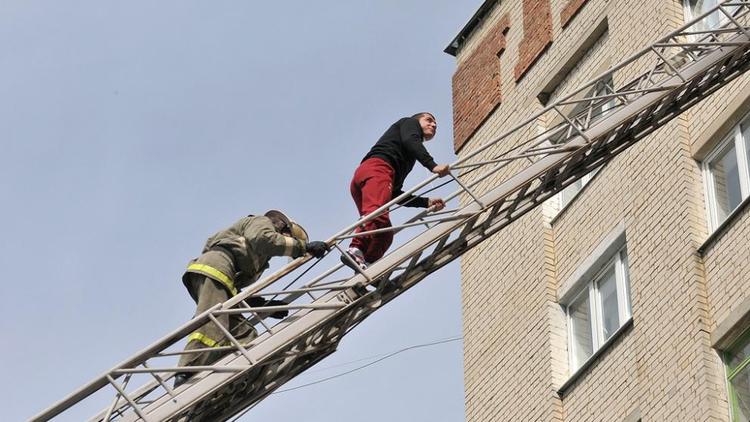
{"x": 632, "y": 115}
{"x": 568, "y": 98}
{"x": 260, "y": 349}
{"x": 263, "y": 283}
{"x": 626, "y": 115}
{"x": 152, "y": 351}
{"x": 598, "y": 132}
{"x": 95, "y": 385}
{"x": 132, "y": 362}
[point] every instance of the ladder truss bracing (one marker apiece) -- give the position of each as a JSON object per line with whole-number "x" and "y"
{"x": 496, "y": 183}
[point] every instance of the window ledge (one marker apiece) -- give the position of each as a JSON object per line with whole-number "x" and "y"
{"x": 723, "y": 227}
{"x": 731, "y": 327}
{"x": 578, "y": 374}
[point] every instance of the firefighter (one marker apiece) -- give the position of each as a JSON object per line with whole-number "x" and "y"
{"x": 233, "y": 259}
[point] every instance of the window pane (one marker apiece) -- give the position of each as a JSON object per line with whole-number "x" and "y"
{"x": 698, "y": 7}
{"x": 608, "y": 296}
{"x": 737, "y": 357}
{"x": 738, "y": 353}
{"x": 726, "y": 182}
{"x": 570, "y": 192}
{"x": 741, "y": 386}
{"x": 580, "y": 319}
{"x": 604, "y": 88}
{"x": 746, "y": 141}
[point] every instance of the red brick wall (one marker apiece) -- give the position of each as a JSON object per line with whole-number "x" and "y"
{"x": 537, "y": 34}
{"x": 476, "y": 84}
{"x": 570, "y": 10}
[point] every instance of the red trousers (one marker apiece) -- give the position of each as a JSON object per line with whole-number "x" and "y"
{"x": 371, "y": 188}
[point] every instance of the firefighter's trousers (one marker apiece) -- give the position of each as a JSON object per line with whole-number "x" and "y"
{"x": 210, "y": 292}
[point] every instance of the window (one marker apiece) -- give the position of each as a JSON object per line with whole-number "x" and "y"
{"x": 695, "y": 8}
{"x": 726, "y": 175}
{"x": 588, "y": 60}
{"x": 572, "y": 190}
{"x": 604, "y": 87}
{"x": 599, "y": 310}
{"x": 737, "y": 361}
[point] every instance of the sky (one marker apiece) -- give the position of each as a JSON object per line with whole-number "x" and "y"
{"x": 132, "y": 131}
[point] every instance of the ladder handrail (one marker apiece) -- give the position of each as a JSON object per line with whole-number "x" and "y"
{"x": 179, "y": 333}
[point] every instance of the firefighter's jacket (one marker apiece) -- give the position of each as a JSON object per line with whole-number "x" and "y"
{"x": 238, "y": 255}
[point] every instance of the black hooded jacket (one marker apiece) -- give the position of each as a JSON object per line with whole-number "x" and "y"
{"x": 401, "y": 146}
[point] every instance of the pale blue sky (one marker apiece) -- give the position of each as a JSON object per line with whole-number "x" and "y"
{"x": 131, "y": 131}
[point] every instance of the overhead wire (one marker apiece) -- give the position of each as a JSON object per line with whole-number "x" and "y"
{"x": 380, "y": 359}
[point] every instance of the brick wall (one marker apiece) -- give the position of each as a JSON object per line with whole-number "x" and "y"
{"x": 537, "y": 30}
{"x": 477, "y": 87}
{"x": 570, "y": 10}
{"x": 515, "y": 353}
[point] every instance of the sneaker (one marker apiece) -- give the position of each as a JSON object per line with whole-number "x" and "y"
{"x": 356, "y": 256}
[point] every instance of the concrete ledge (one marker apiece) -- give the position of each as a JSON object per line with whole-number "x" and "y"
{"x": 567, "y": 63}
{"x": 600, "y": 256}
{"x": 723, "y": 227}
{"x": 732, "y": 327}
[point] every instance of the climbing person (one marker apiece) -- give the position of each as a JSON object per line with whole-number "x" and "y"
{"x": 380, "y": 178}
{"x": 233, "y": 259}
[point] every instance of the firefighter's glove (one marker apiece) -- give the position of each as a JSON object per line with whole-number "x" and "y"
{"x": 316, "y": 248}
{"x": 259, "y": 302}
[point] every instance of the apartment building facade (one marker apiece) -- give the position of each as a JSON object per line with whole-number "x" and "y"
{"x": 625, "y": 297}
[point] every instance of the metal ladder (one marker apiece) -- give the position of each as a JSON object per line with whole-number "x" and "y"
{"x": 498, "y": 183}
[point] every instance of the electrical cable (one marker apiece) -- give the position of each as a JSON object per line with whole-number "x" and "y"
{"x": 417, "y": 346}
{"x": 384, "y": 357}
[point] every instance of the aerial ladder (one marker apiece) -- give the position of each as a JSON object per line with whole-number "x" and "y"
{"x": 495, "y": 184}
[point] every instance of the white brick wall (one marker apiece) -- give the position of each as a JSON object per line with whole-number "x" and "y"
{"x": 515, "y": 337}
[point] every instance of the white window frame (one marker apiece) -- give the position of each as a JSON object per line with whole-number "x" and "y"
{"x": 559, "y": 199}
{"x": 743, "y": 339}
{"x": 571, "y": 187}
{"x": 689, "y": 15}
{"x": 622, "y": 280}
{"x": 708, "y": 178}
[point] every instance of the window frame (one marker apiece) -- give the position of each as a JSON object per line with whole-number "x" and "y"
{"x": 743, "y": 168}
{"x": 689, "y": 15}
{"x": 688, "y": 11}
{"x": 567, "y": 195}
{"x": 730, "y": 372}
{"x": 619, "y": 261}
